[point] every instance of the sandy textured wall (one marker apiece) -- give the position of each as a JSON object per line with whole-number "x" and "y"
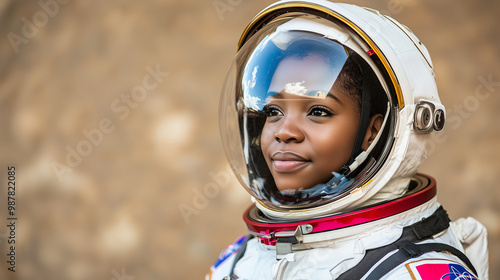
{"x": 108, "y": 111}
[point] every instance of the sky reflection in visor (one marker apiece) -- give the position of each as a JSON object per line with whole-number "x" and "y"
{"x": 269, "y": 69}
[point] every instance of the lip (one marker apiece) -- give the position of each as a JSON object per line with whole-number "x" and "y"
{"x": 287, "y": 162}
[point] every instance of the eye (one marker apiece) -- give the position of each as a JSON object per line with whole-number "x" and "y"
{"x": 320, "y": 111}
{"x": 272, "y": 111}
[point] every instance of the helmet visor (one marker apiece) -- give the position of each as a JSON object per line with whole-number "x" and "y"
{"x": 285, "y": 63}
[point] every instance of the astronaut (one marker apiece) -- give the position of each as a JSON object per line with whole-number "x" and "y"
{"x": 326, "y": 112}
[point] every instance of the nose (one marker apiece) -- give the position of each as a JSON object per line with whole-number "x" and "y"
{"x": 289, "y": 131}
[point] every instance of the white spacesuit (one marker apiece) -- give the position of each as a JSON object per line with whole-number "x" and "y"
{"x": 325, "y": 116}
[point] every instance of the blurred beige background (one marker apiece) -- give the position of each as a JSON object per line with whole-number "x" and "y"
{"x": 109, "y": 113}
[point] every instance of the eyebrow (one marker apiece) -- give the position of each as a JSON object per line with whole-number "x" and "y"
{"x": 334, "y": 97}
{"x": 279, "y": 95}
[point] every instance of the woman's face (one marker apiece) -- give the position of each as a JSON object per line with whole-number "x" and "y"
{"x": 305, "y": 139}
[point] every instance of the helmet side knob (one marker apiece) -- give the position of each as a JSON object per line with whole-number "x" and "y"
{"x": 428, "y": 117}
{"x": 439, "y": 119}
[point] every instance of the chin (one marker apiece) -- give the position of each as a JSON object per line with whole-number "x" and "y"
{"x": 291, "y": 186}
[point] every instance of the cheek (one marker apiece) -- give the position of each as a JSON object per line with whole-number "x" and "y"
{"x": 335, "y": 142}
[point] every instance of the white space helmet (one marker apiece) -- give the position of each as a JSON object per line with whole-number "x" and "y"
{"x": 302, "y": 50}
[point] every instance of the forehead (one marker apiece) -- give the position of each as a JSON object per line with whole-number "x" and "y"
{"x": 335, "y": 97}
{"x": 293, "y": 61}
{"x": 303, "y": 75}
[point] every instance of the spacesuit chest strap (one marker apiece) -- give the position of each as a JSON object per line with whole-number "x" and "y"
{"x": 406, "y": 248}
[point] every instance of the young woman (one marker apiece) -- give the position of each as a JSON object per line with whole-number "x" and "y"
{"x": 325, "y": 114}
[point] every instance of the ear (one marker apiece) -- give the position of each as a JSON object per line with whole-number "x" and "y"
{"x": 372, "y": 130}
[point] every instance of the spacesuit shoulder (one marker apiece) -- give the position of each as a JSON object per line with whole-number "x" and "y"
{"x": 222, "y": 267}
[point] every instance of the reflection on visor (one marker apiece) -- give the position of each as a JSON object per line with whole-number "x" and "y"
{"x": 295, "y": 62}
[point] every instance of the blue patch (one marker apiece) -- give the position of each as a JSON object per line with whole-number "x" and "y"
{"x": 458, "y": 272}
{"x": 231, "y": 249}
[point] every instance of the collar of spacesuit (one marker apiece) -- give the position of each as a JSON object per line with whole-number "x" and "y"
{"x": 270, "y": 231}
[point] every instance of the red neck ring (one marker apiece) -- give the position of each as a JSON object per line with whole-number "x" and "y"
{"x": 266, "y": 231}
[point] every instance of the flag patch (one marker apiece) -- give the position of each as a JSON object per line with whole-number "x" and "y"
{"x": 438, "y": 269}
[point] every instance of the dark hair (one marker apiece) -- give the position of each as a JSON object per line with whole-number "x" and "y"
{"x": 351, "y": 79}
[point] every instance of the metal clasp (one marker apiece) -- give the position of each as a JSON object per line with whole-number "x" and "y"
{"x": 285, "y": 239}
